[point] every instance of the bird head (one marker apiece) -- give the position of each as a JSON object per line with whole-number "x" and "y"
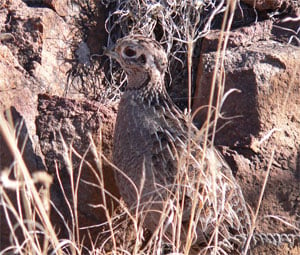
{"x": 140, "y": 56}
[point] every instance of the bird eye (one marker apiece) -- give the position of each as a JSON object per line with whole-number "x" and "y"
{"x": 129, "y": 52}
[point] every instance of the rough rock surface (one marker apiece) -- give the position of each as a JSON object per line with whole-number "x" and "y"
{"x": 73, "y": 137}
{"x": 36, "y": 39}
{"x": 264, "y": 116}
{"x": 32, "y": 39}
{"x": 262, "y": 5}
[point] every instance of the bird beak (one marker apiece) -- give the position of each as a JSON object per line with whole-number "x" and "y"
{"x": 110, "y": 52}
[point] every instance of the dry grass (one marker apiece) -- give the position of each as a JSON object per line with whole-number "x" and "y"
{"x": 31, "y": 212}
{"x": 28, "y": 198}
{"x": 177, "y": 25}
{"x": 180, "y": 26}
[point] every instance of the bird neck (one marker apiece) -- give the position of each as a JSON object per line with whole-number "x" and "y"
{"x": 147, "y": 88}
{"x": 138, "y": 79}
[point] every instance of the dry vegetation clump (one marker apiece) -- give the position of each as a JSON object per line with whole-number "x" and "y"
{"x": 86, "y": 75}
{"x": 177, "y": 25}
{"x": 27, "y": 218}
{"x": 172, "y": 23}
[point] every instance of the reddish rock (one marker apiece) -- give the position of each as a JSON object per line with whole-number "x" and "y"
{"x": 240, "y": 37}
{"x": 33, "y": 44}
{"x": 262, "y": 117}
{"x": 262, "y": 5}
{"x": 72, "y": 122}
{"x": 262, "y": 72}
{"x": 35, "y": 52}
{"x": 16, "y": 88}
{"x": 61, "y": 7}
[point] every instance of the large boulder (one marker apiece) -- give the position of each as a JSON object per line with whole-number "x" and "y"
{"x": 263, "y": 116}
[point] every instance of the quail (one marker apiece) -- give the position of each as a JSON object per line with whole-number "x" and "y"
{"x": 163, "y": 167}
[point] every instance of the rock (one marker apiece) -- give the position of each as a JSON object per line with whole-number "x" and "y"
{"x": 263, "y": 72}
{"x": 61, "y": 7}
{"x": 24, "y": 142}
{"x": 35, "y": 55}
{"x": 17, "y": 104}
{"x": 42, "y": 42}
{"x": 262, "y": 117}
{"x": 34, "y": 39}
{"x": 15, "y": 88}
{"x": 285, "y": 18}
{"x": 64, "y": 127}
{"x": 262, "y": 5}
{"x": 240, "y": 37}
